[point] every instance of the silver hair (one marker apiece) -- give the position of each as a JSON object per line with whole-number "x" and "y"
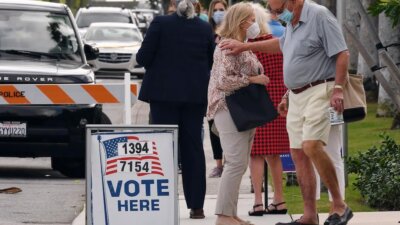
{"x": 262, "y": 18}
{"x": 185, "y": 8}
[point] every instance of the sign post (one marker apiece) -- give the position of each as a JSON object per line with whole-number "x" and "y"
{"x": 131, "y": 175}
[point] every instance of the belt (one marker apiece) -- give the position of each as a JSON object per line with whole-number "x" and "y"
{"x": 312, "y": 84}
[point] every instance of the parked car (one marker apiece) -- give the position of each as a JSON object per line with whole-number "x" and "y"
{"x": 89, "y": 15}
{"x": 118, "y": 44}
{"x": 145, "y": 16}
{"x": 40, "y": 44}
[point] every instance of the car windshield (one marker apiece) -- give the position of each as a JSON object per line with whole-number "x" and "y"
{"x": 117, "y": 34}
{"x": 85, "y": 19}
{"x": 37, "y": 35}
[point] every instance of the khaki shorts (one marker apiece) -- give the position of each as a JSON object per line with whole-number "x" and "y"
{"x": 307, "y": 118}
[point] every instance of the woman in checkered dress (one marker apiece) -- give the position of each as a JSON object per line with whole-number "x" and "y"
{"x": 270, "y": 140}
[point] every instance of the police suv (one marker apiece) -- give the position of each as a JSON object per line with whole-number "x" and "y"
{"x": 40, "y": 44}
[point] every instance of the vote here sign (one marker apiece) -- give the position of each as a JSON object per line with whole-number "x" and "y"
{"x": 133, "y": 178}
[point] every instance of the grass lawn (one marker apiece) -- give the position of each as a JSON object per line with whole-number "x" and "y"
{"x": 361, "y": 136}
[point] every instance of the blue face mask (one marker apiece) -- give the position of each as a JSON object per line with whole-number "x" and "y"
{"x": 218, "y": 16}
{"x": 286, "y": 16}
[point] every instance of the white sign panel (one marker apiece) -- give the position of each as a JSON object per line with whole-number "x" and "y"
{"x": 133, "y": 178}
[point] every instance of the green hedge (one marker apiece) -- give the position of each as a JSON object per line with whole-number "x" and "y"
{"x": 378, "y": 174}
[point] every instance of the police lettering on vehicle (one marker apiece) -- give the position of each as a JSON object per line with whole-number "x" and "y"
{"x": 12, "y": 94}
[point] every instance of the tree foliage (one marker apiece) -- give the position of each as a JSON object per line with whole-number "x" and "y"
{"x": 391, "y": 8}
{"x": 74, "y": 5}
{"x": 206, "y": 3}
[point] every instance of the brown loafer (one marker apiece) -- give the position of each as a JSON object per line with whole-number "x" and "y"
{"x": 197, "y": 214}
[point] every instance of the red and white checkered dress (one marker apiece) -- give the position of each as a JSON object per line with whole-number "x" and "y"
{"x": 272, "y": 138}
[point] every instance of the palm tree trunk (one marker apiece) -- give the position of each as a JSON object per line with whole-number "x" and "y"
{"x": 388, "y": 35}
{"x": 362, "y": 67}
{"x": 350, "y": 17}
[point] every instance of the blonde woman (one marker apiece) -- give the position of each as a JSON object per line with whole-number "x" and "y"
{"x": 230, "y": 73}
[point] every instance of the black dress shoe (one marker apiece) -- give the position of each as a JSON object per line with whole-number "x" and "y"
{"x": 197, "y": 214}
{"x": 335, "y": 219}
{"x": 295, "y": 223}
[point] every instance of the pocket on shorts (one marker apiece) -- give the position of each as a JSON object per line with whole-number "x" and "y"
{"x": 329, "y": 89}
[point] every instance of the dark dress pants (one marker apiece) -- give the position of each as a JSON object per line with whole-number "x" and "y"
{"x": 189, "y": 117}
{"x": 215, "y": 142}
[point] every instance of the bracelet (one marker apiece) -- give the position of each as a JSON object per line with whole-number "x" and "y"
{"x": 338, "y": 86}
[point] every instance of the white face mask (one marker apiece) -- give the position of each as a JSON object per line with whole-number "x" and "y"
{"x": 253, "y": 31}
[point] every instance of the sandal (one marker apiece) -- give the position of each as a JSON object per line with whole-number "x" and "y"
{"x": 256, "y": 213}
{"x": 275, "y": 210}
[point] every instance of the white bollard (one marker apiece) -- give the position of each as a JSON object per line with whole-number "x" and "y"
{"x": 127, "y": 102}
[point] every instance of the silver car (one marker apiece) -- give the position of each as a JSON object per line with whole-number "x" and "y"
{"x": 88, "y": 15}
{"x": 118, "y": 44}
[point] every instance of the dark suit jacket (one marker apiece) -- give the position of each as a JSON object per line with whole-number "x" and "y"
{"x": 177, "y": 54}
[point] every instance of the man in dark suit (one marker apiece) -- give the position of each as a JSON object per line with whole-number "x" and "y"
{"x": 177, "y": 54}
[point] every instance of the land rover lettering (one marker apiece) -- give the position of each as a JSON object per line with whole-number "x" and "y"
{"x": 30, "y": 79}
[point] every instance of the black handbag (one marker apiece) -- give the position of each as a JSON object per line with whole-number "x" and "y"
{"x": 251, "y": 107}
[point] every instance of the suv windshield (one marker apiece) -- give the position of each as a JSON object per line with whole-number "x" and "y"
{"x": 37, "y": 35}
{"x": 117, "y": 34}
{"x": 85, "y": 19}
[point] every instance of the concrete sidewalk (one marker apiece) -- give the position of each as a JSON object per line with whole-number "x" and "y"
{"x": 245, "y": 204}
{"x": 140, "y": 112}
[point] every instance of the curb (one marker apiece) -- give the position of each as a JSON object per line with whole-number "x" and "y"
{"x": 80, "y": 219}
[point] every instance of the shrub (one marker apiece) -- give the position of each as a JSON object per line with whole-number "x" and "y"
{"x": 378, "y": 174}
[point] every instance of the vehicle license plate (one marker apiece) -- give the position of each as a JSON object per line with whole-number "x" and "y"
{"x": 12, "y": 129}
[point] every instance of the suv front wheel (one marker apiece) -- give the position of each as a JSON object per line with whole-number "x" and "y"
{"x": 70, "y": 167}
{"x": 75, "y": 167}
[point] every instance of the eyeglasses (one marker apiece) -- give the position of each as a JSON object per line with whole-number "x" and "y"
{"x": 221, "y": 10}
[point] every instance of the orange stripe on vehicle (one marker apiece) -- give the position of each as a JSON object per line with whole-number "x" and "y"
{"x": 12, "y": 95}
{"x": 134, "y": 89}
{"x": 100, "y": 94}
{"x": 56, "y": 94}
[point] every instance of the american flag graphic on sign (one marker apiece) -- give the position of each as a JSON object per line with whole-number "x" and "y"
{"x": 113, "y": 157}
